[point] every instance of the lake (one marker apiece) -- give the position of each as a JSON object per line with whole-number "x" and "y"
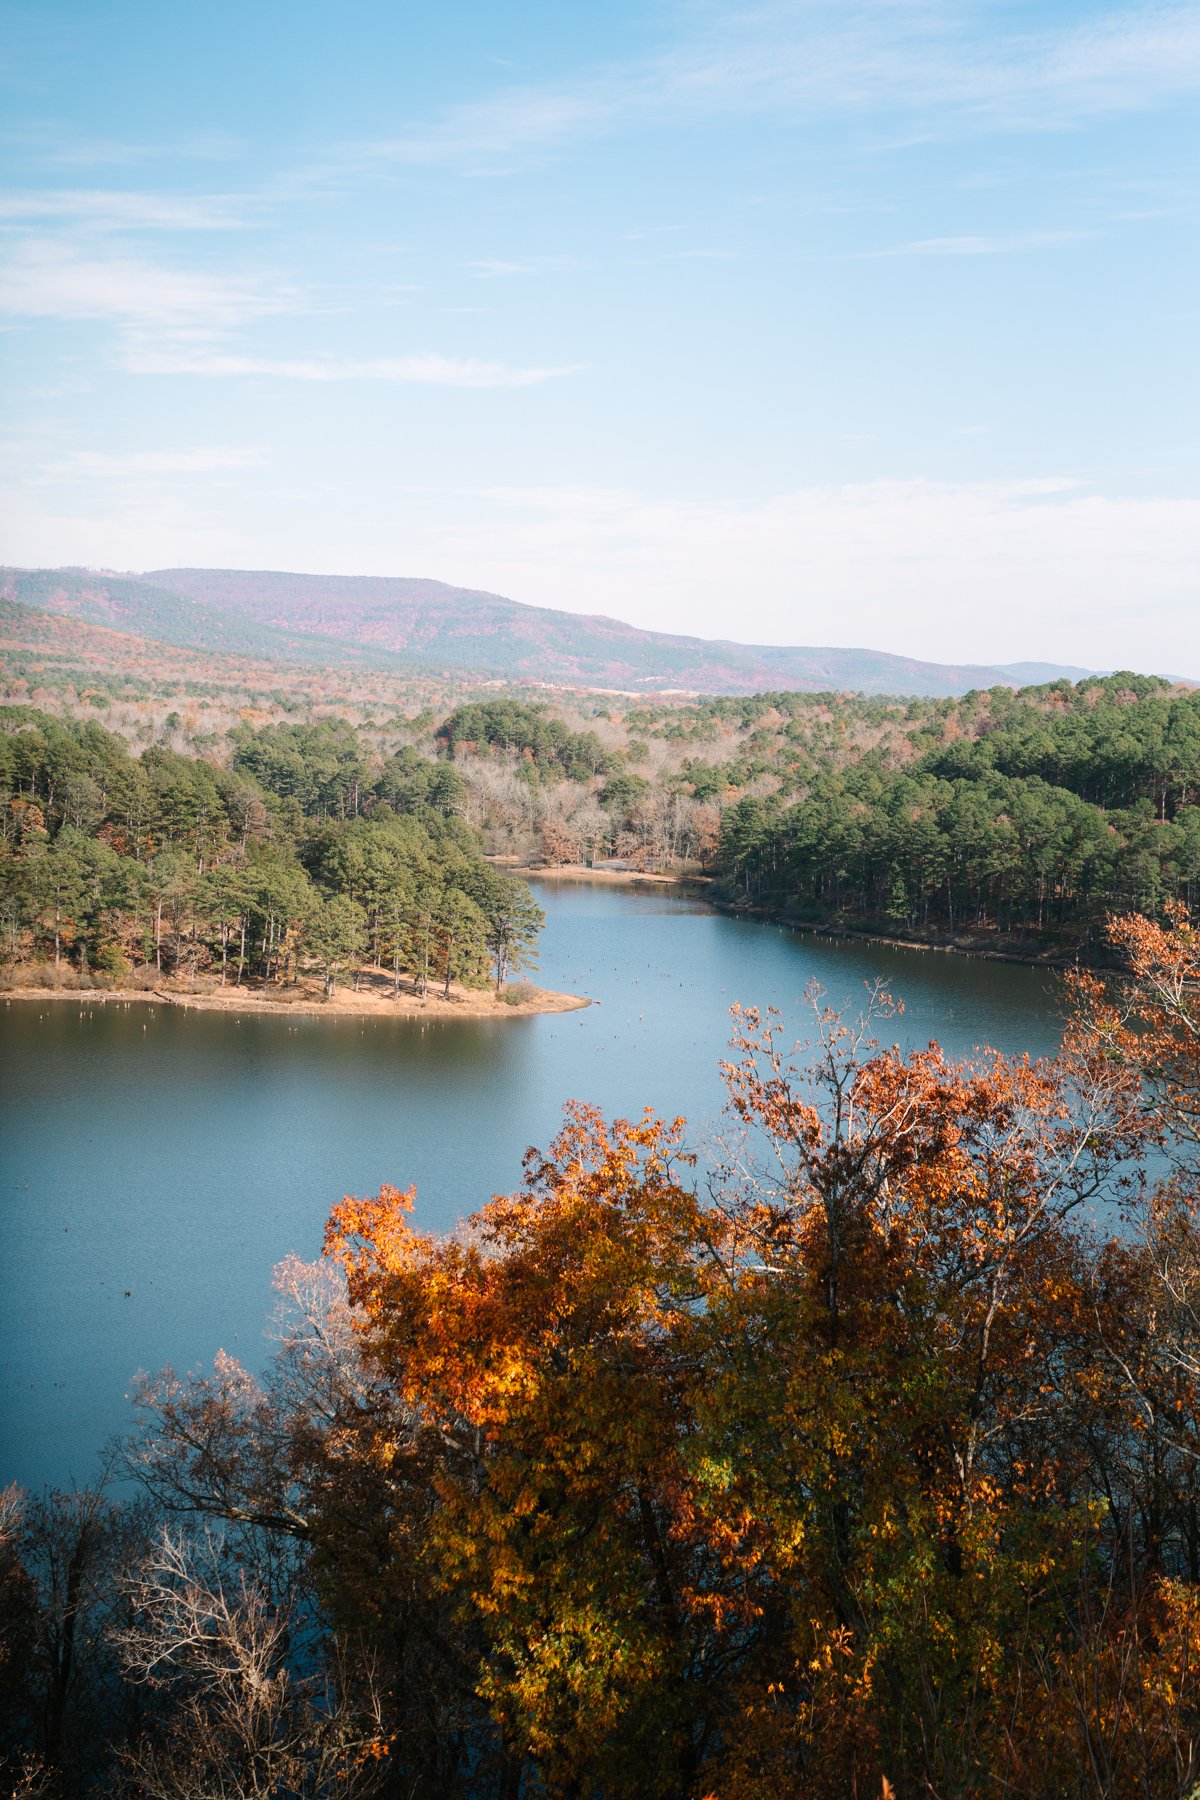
{"x": 155, "y": 1164}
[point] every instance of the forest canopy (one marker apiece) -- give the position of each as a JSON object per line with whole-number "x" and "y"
{"x": 1032, "y": 814}
{"x": 1002, "y": 820}
{"x": 294, "y": 854}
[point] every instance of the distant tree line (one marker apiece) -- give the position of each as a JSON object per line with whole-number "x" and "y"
{"x": 1061, "y": 806}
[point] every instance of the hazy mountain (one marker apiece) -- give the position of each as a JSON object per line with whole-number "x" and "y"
{"x": 168, "y": 616}
{"x": 429, "y": 627}
{"x": 1033, "y": 674}
{"x": 449, "y": 628}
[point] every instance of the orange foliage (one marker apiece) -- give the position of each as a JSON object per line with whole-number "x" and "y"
{"x": 867, "y": 1464}
{"x": 755, "y": 1494}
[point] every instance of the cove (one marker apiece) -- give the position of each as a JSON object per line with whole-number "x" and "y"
{"x": 156, "y": 1164}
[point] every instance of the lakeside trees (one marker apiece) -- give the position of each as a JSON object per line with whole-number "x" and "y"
{"x": 913, "y": 851}
{"x": 297, "y": 854}
{"x": 1032, "y": 814}
{"x": 866, "y": 1465}
{"x": 1022, "y": 816}
{"x": 1014, "y": 817}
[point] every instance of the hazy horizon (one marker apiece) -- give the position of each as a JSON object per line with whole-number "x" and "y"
{"x": 789, "y": 324}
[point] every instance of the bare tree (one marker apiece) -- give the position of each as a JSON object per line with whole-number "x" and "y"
{"x": 248, "y": 1714}
{"x": 76, "y": 1550}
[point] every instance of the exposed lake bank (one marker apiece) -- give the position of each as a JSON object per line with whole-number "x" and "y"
{"x": 697, "y": 886}
{"x": 373, "y": 999}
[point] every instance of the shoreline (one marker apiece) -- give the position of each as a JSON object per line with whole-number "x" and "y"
{"x": 1049, "y": 959}
{"x": 600, "y": 877}
{"x": 701, "y": 887}
{"x": 373, "y": 1002}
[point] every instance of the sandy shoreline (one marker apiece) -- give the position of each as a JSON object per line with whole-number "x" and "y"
{"x": 372, "y": 1001}
{"x": 602, "y": 877}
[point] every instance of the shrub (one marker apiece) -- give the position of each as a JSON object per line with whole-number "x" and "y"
{"x": 519, "y": 993}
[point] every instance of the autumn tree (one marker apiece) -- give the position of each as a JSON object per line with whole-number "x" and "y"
{"x": 541, "y": 1352}
{"x": 861, "y": 1459}
{"x": 907, "y": 1239}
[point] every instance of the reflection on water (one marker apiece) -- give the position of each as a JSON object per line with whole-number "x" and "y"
{"x": 155, "y": 1165}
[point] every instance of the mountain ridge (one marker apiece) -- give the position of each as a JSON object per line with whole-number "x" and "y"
{"x": 129, "y": 604}
{"x": 419, "y": 625}
{"x": 470, "y": 628}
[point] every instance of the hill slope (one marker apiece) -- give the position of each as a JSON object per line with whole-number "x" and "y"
{"x": 447, "y": 627}
{"x": 167, "y": 616}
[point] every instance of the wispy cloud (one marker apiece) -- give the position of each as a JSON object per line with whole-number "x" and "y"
{"x": 124, "y": 210}
{"x": 674, "y": 256}
{"x": 426, "y": 370}
{"x": 185, "y": 322}
{"x": 981, "y": 244}
{"x": 521, "y": 118}
{"x": 143, "y": 464}
{"x": 492, "y": 270}
{"x": 56, "y": 278}
{"x": 894, "y": 59}
{"x": 52, "y": 146}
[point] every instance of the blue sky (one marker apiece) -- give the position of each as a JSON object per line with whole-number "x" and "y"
{"x": 871, "y": 322}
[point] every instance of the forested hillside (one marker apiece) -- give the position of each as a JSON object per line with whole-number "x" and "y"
{"x": 1016, "y": 821}
{"x": 458, "y": 628}
{"x": 1010, "y": 819}
{"x": 431, "y": 630}
{"x": 164, "y": 616}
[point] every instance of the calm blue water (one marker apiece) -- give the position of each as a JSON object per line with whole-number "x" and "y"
{"x": 154, "y": 1166}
